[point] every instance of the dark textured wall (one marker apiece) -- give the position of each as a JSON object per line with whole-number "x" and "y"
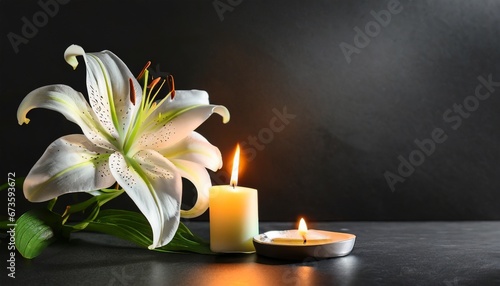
{"x": 346, "y": 110}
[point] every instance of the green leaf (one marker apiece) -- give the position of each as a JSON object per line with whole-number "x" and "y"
{"x": 35, "y": 230}
{"x": 134, "y": 227}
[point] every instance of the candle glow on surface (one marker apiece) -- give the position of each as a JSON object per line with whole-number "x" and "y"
{"x": 233, "y": 212}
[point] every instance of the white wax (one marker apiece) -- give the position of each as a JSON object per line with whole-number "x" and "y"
{"x": 234, "y": 218}
{"x": 293, "y": 236}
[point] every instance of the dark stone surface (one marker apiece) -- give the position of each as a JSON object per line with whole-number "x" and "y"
{"x": 385, "y": 253}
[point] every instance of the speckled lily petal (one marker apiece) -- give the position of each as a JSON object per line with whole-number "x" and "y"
{"x": 154, "y": 185}
{"x": 69, "y": 103}
{"x": 183, "y": 100}
{"x": 70, "y": 164}
{"x": 177, "y": 127}
{"x": 108, "y": 88}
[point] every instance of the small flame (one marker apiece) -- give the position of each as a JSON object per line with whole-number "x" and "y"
{"x": 236, "y": 163}
{"x": 302, "y": 227}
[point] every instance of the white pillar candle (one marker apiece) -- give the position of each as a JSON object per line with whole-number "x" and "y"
{"x": 234, "y": 218}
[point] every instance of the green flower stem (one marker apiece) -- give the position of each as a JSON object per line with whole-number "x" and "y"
{"x": 96, "y": 201}
{"x": 4, "y": 224}
{"x": 52, "y": 203}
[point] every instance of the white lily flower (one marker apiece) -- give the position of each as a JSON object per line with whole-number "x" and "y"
{"x": 145, "y": 145}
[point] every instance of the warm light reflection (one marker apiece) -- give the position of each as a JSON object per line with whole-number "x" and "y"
{"x": 237, "y": 271}
{"x": 302, "y": 227}
{"x": 236, "y": 163}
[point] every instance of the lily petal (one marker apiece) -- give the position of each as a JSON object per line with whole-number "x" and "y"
{"x": 184, "y": 100}
{"x": 197, "y": 149}
{"x": 70, "y": 164}
{"x": 71, "y": 104}
{"x": 198, "y": 175}
{"x": 71, "y": 53}
{"x": 178, "y": 121}
{"x": 108, "y": 84}
{"x": 155, "y": 186}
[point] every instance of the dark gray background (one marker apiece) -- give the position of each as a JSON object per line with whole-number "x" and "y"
{"x": 352, "y": 120}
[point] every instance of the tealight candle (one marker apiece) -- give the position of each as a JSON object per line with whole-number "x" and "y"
{"x": 234, "y": 219}
{"x": 302, "y": 243}
{"x": 302, "y": 236}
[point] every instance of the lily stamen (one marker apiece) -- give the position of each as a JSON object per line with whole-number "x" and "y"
{"x": 143, "y": 70}
{"x": 150, "y": 101}
{"x": 158, "y": 90}
{"x": 153, "y": 83}
{"x": 132, "y": 91}
{"x": 171, "y": 84}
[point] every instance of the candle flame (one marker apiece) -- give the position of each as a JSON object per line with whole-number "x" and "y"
{"x": 236, "y": 163}
{"x": 303, "y": 229}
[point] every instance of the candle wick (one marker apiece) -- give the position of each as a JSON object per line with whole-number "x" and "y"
{"x": 233, "y": 185}
{"x": 305, "y": 240}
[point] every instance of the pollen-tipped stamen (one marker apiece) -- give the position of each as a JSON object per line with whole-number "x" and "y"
{"x": 141, "y": 74}
{"x": 153, "y": 83}
{"x": 132, "y": 91}
{"x": 171, "y": 84}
